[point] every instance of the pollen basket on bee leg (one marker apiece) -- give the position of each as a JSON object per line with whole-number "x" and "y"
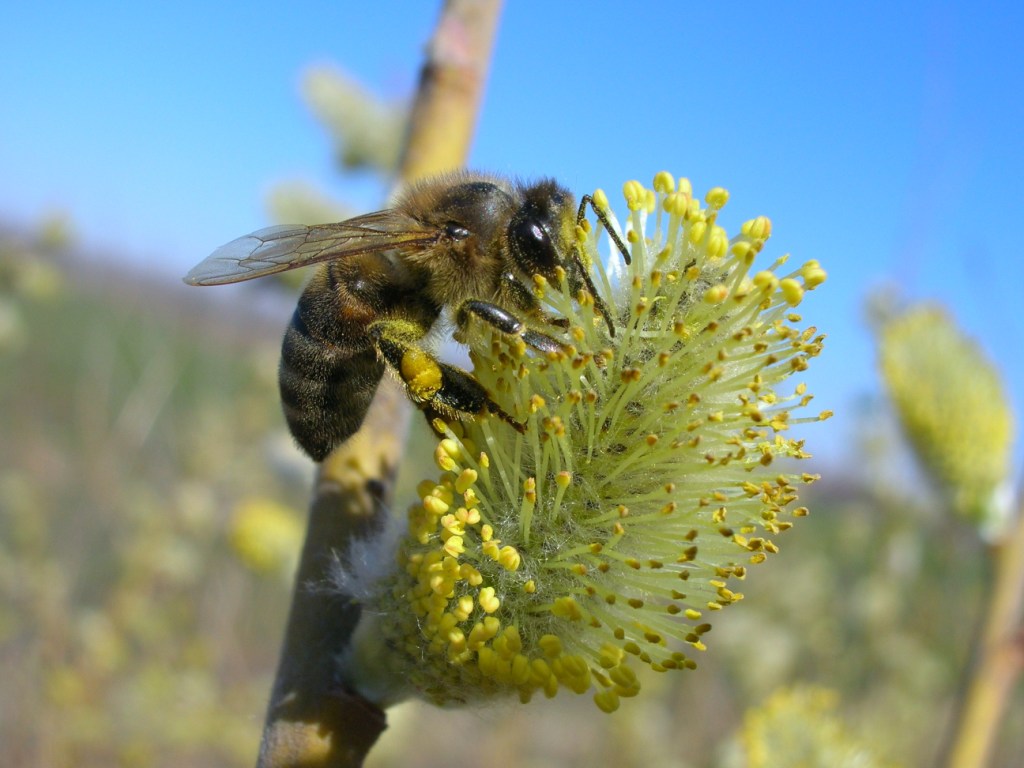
{"x": 421, "y": 373}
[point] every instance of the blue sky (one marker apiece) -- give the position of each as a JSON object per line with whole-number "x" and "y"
{"x": 884, "y": 139}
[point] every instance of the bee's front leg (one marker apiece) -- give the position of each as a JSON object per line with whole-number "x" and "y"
{"x": 439, "y": 389}
{"x": 504, "y": 321}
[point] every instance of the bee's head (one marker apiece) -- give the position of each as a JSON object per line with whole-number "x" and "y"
{"x": 541, "y": 232}
{"x": 542, "y": 238}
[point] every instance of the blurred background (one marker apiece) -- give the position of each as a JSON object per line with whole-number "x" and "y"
{"x": 151, "y": 503}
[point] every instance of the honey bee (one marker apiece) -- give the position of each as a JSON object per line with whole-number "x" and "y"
{"x": 466, "y": 243}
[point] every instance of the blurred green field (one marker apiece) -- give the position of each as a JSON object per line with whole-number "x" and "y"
{"x": 151, "y": 508}
{"x": 129, "y": 632}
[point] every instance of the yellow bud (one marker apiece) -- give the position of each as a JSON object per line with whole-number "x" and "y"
{"x": 716, "y": 294}
{"x": 488, "y": 601}
{"x": 607, "y": 700}
{"x": 435, "y": 506}
{"x": 792, "y": 291}
{"x": 676, "y": 204}
{"x": 766, "y": 281}
{"x": 465, "y": 479}
{"x": 758, "y": 229}
{"x": 717, "y": 197}
{"x": 664, "y": 182}
{"x": 635, "y": 194}
{"x": 813, "y": 274}
{"x": 718, "y": 243}
{"x": 551, "y": 645}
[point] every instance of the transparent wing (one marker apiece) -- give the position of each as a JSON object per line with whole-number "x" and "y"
{"x": 276, "y": 249}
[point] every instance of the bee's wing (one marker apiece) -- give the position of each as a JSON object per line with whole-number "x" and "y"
{"x": 276, "y": 249}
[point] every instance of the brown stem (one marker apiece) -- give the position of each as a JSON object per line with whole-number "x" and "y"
{"x": 311, "y": 722}
{"x": 450, "y": 88}
{"x": 998, "y": 656}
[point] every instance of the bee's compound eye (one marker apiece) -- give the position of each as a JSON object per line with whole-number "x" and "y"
{"x": 529, "y": 232}
{"x": 533, "y": 247}
{"x": 456, "y": 231}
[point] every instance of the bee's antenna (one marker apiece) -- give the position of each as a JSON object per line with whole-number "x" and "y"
{"x": 605, "y": 222}
{"x": 598, "y": 301}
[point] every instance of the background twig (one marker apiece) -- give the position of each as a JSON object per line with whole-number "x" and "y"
{"x": 998, "y": 657}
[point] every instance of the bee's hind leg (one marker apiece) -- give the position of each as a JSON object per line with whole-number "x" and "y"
{"x": 438, "y": 388}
